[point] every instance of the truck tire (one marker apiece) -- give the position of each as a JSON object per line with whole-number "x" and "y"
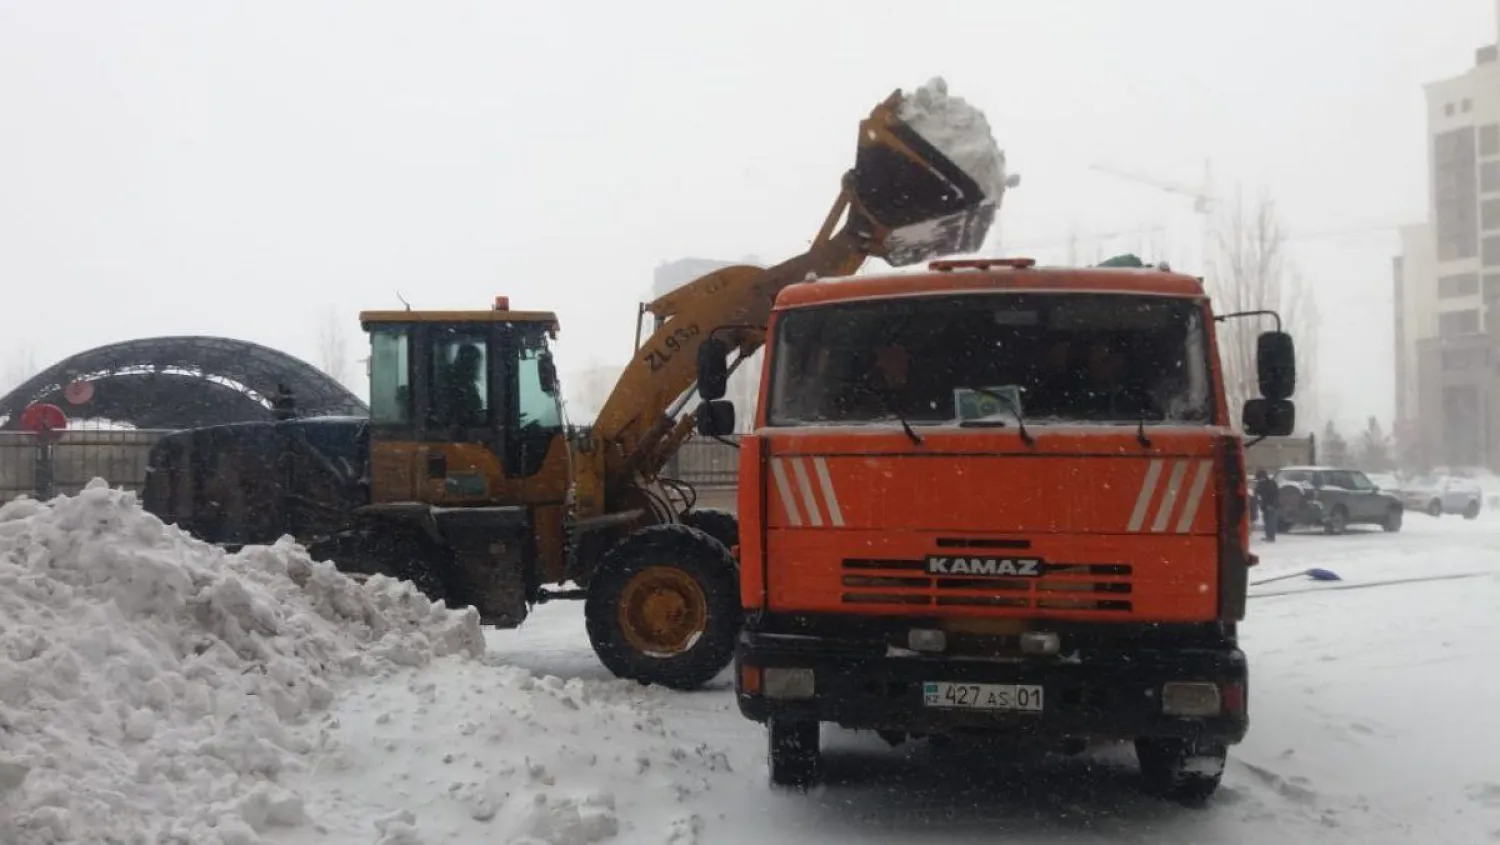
{"x": 718, "y": 524}
{"x": 794, "y": 753}
{"x": 663, "y": 607}
{"x": 1181, "y": 771}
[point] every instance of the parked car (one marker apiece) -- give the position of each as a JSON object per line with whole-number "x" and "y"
{"x": 1436, "y": 495}
{"x": 1334, "y": 499}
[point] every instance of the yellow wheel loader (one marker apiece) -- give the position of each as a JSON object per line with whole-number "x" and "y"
{"x": 465, "y": 479}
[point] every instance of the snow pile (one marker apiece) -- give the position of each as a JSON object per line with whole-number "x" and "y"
{"x": 154, "y": 688}
{"x": 504, "y": 755}
{"x": 959, "y": 130}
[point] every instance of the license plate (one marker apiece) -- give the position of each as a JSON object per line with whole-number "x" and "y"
{"x": 1022, "y": 697}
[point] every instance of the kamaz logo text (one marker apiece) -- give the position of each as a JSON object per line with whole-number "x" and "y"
{"x": 1006, "y": 567}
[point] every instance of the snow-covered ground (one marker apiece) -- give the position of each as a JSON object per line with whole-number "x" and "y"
{"x": 1373, "y": 706}
{"x": 1374, "y": 719}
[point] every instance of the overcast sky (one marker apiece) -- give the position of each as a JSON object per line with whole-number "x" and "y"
{"x": 249, "y": 169}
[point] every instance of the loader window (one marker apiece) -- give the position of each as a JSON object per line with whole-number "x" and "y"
{"x": 460, "y": 379}
{"x": 540, "y": 417}
{"x": 390, "y": 376}
{"x": 1063, "y": 358}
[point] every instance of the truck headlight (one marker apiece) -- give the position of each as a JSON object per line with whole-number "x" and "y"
{"x": 787, "y": 683}
{"x": 1190, "y": 698}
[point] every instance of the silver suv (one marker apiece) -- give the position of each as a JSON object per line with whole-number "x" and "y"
{"x": 1334, "y": 499}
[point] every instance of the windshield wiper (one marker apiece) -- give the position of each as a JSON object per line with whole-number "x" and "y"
{"x": 1015, "y": 407}
{"x": 1140, "y": 433}
{"x": 890, "y": 408}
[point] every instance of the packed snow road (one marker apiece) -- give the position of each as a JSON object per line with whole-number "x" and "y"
{"x": 1373, "y": 719}
{"x": 155, "y": 689}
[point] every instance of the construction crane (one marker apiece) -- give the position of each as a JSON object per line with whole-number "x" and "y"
{"x": 1202, "y": 196}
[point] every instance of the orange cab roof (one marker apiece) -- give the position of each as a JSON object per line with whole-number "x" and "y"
{"x": 476, "y": 316}
{"x": 966, "y": 278}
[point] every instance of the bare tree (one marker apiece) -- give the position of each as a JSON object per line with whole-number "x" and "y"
{"x": 20, "y": 365}
{"x": 333, "y": 345}
{"x": 1249, "y": 271}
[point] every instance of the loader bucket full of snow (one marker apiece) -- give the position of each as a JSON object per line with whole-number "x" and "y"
{"x": 928, "y": 174}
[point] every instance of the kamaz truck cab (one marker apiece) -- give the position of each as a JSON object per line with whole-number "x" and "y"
{"x": 997, "y": 498}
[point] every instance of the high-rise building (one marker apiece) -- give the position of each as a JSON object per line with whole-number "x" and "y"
{"x": 1447, "y": 280}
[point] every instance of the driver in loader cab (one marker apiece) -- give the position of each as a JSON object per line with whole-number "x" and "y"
{"x": 461, "y": 397}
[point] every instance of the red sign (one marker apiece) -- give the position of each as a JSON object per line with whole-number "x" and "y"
{"x": 40, "y": 418}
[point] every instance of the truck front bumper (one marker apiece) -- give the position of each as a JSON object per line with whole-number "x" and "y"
{"x": 1117, "y": 697}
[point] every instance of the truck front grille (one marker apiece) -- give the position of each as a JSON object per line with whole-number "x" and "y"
{"x": 1089, "y": 587}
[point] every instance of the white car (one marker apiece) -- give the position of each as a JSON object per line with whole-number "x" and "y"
{"x": 1437, "y": 495}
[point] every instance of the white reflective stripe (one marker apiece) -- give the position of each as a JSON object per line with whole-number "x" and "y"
{"x": 1168, "y": 499}
{"x": 1143, "y": 500}
{"x": 1195, "y": 497}
{"x": 835, "y": 513}
{"x": 814, "y": 513}
{"x": 784, "y": 491}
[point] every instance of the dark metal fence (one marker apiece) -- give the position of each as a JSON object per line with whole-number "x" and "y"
{"x": 703, "y": 462}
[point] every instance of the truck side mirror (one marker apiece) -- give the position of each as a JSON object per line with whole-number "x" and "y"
{"x": 1276, "y": 365}
{"x": 713, "y": 369}
{"x": 1269, "y": 417}
{"x": 716, "y": 418}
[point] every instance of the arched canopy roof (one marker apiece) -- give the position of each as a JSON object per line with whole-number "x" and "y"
{"x": 182, "y": 382}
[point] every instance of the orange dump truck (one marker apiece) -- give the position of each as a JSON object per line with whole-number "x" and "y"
{"x": 998, "y": 498}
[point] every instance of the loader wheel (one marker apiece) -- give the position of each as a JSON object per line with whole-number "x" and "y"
{"x": 664, "y": 607}
{"x": 718, "y": 524}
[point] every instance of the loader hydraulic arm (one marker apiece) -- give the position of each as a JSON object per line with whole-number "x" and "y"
{"x": 904, "y": 201}
{"x": 635, "y": 427}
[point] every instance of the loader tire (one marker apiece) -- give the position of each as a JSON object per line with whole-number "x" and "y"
{"x": 663, "y": 607}
{"x": 718, "y": 524}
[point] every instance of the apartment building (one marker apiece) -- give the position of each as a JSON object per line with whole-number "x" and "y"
{"x": 1447, "y": 279}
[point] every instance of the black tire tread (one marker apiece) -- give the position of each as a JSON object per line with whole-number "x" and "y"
{"x": 719, "y": 524}
{"x": 1162, "y": 771}
{"x": 713, "y": 568}
{"x": 793, "y": 753}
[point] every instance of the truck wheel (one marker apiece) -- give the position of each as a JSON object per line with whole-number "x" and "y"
{"x": 718, "y": 524}
{"x": 794, "y": 753}
{"x": 1472, "y": 511}
{"x": 1392, "y": 522}
{"x": 1434, "y": 508}
{"x": 1180, "y": 771}
{"x": 663, "y": 607}
{"x": 1338, "y": 520}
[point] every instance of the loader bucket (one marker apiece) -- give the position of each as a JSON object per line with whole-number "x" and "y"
{"x": 921, "y": 202}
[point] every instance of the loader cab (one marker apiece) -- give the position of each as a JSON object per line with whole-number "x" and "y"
{"x": 464, "y": 406}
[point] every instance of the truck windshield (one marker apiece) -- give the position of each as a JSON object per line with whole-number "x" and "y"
{"x": 986, "y": 358}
